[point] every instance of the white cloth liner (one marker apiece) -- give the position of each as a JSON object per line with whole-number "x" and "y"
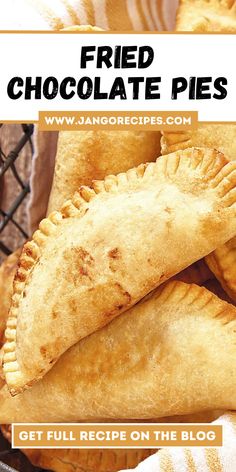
{"x": 222, "y": 460}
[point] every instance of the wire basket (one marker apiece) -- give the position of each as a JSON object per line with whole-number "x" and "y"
{"x": 16, "y": 150}
{"x": 15, "y": 461}
{"x": 12, "y": 460}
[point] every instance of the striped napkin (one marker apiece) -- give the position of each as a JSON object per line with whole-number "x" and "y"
{"x": 197, "y": 459}
{"x": 139, "y": 15}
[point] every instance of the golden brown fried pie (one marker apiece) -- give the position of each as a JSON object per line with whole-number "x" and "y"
{"x": 222, "y": 137}
{"x": 169, "y": 355}
{"x": 223, "y": 263}
{"x": 69, "y": 252}
{"x": 83, "y": 156}
{"x": 207, "y": 15}
{"x": 7, "y": 274}
{"x": 85, "y": 265}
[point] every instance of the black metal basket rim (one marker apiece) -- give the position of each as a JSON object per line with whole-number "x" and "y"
{"x": 6, "y": 468}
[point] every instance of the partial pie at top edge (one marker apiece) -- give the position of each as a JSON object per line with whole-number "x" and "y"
{"x": 206, "y": 16}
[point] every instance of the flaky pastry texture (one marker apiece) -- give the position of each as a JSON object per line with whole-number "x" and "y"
{"x": 169, "y": 355}
{"x": 86, "y": 265}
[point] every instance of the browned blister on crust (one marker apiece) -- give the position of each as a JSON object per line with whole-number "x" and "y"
{"x": 169, "y": 355}
{"x": 205, "y": 16}
{"x": 85, "y": 264}
{"x": 223, "y": 263}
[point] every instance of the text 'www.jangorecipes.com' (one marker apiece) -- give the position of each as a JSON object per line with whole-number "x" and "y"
{"x": 117, "y": 120}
